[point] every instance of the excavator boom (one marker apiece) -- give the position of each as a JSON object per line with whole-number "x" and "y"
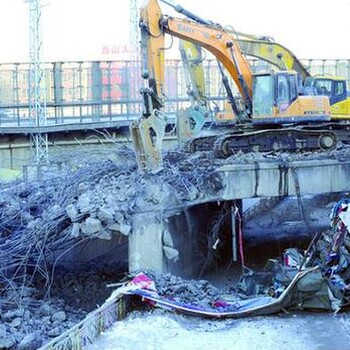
{"x": 154, "y": 26}
{"x": 220, "y": 44}
{"x": 275, "y": 54}
{"x": 152, "y": 51}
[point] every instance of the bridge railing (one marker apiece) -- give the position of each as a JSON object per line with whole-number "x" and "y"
{"x": 88, "y": 330}
{"x": 81, "y": 92}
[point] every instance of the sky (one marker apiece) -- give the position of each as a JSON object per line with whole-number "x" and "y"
{"x": 99, "y": 29}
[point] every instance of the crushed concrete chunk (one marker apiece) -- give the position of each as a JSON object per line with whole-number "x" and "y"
{"x": 91, "y": 226}
{"x": 192, "y": 194}
{"x": 2, "y": 331}
{"x": 59, "y": 316}
{"x": 82, "y": 187}
{"x": 12, "y": 314}
{"x": 72, "y": 212}
{"x": 105, "y": 234}
{"x": 46, "y": 309}
{"x": 167, "y": 239}
{"x": 105, "y": 214}
{"x": 30, "y": 342}
{"x": 84, "y": 203}
{"x": 55, "y": 332}
{"x": 125, "y": 229}
{"x": 114, "y": 227}
{"x": 75, "y": 230}
{"x": 122, "y": 228}
{"x": 7, "y": 343}
{"x": 32, "y": 224}
{"x": 119, "y": 217}
{"x": 16, "y": 322}
{"x": 154, "y": 193}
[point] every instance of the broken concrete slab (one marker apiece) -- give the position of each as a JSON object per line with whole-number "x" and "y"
{"x": 105, "y": 215}
{"x": 105, "y": 234}
{"x": 72, "y": 212}
{"x": 75, "y": 230}
{"x": 91, "y": 226}
{"x": 122, "y": 228}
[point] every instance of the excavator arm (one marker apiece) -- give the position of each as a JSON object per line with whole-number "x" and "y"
{"x": 152, "y": 55}
{"x": 191, "y": 57}
{"x": 262, "y": 48}
{"x": 149, "y": 130}
{"x": 220, "y": 44}
{"x": 147, "y": 133}
{"x": 271, "y": 52}
{"x": 191, "y": 120}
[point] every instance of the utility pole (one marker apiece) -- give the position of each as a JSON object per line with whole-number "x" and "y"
{"x": 134, "y": 70}
{"x": 134, "y": 30}
{"x": 37, "y": 88}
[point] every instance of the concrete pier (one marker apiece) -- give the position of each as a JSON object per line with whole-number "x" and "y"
{"x": 146, "y": 244}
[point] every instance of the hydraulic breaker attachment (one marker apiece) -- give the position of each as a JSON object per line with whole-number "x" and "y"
{"x": 147, "y": 137}
{"x": 189, "y": 123}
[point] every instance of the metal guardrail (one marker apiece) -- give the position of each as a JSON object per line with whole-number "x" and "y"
{"x": 81, "y": 92}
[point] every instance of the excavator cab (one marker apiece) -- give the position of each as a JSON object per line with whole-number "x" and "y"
{"x": 335, "y": 88}
{"x": 273, "y": 91}
{"x": 276, "y": 100}
{"x": 263, "y": 95}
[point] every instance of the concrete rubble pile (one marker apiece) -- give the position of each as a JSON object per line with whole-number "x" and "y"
{"x": 194, "y": 292}
{"x": 28, "y": 319}
{"x": 91, "y": 200}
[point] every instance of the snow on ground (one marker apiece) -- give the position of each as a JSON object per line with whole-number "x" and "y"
{"x": 161, "y": 330}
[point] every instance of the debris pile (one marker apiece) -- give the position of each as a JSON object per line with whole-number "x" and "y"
{"x": 29, "y": 319}
{"x": 195, "y": 292}
{"x": 93, "y": 198}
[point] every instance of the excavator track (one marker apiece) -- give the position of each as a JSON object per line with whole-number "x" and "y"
{"x": 285, "y": 139}
{"x": 340, "y": 128}
{"x": 289, "y": 140}
{"x": 202, "y": 143}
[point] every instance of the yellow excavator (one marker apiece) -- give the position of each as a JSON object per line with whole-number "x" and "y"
{"x": 267, "y": 50}
{"x": 273, "y": 116}
{"x": 334, "y": 87}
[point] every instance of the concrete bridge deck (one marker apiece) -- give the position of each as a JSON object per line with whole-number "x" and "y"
{"x": 288, "y": 179}
{"x": 238, "y": 181}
